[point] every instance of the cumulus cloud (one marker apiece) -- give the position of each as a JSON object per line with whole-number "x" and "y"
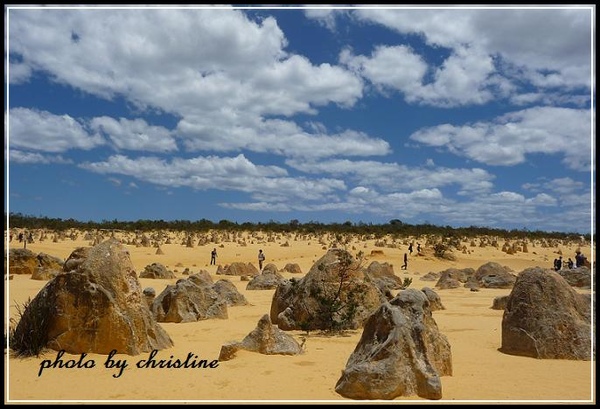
{"x": 222, "y": 173}
{"x": 396, "y": 67}
{"x": 149, "y": 57}
{"x": 134, "y": 134}
{"x": 492, "y": 53}
{"x": 508, "y": 139}
{"x": 276, "y": 136}
{"x": 222, "y": 82}
{"x": 465, "y": 77}
{"x": 17, "y": 156}
{"x": 395, "y": 177}
{"x": 324, "y": 15}
{"x": 43, "y": 131}
{"x": 564, "y": 191}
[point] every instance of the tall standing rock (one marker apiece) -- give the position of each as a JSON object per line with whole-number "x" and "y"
{"x": 330, "y": 284}
{"x": 400, "y": 353}
{"x": 545, "y": 318}
{"x": 96, "y": 307}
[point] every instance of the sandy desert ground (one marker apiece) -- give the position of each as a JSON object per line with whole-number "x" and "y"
{"x": 481, "y": 374}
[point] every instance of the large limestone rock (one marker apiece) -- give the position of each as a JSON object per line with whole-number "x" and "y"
{"x": 401, "y": 353}
{"x": 306, "y": 303}
{"x": 238, "y": 268}
{"x": 382, "y": 275}
{"x": 22, "y": 261}
{"x": 229, "y": 293}
{"x": 494, "y": 275}
{"x": 157, "y": 271}
{"x": 293, "y": 268}
{"x": 40, "y": 266}
{"x": 196, "y": 298}
{"x": 189, "y": 300}
{"x": 48, "y": 267}
{"x": 266, "y": 339}
{"x": 453, "y": 278}
{"x": 546, "y": 318}
{"x": 577, "y": 277}
{"x": 267, "y": 280}
{"x": 97, "y": 307}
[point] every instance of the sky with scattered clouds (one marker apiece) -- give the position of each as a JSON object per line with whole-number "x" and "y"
{"x": 454, "y": 116}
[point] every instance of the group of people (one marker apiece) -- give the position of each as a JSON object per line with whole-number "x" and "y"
{"x": 410, "y": 248}
{"x": 580, "y": 259}
{"x": 559, "y": 264}
{"x": 261, "y": 258}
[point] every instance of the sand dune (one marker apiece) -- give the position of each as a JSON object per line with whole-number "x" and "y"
{"x": 481, "y": 372}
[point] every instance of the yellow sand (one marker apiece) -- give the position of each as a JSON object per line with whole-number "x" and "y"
{"x": 481, "y": 372}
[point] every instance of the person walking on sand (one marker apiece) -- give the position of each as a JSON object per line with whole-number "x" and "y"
{"x": 213, "y": 257}
{"x": 261, "y": 258}
{"x": 405, "y": 265}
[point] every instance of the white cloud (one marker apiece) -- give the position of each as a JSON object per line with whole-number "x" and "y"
{"x": 505, "y": 197}
{"x": 224, "y": 132}
{"x": 465, "y": 77}
{"x": 233, "y": 131}
{"x": 291, "y": 85}
{"x": 258, "y": 206}
{"x": 323, "y": 15}
{"x": 508, "y": 139}
{"x": 43, "y": 131}
{"x": 18, "y": 73}
{"x": 446, "y": 28}
{"x": 134, "y": 134}
{"x": 219, "y": 72}
{"x": 543, "y": 199}
{"x": 395, "y": 177}
{"x": 221, "y": 173}
{"x": 158, "y": 44}
{"x": 565, "y": 191}
{"x": 461, "y": 80}
{"x": 396, "y": 67}
{"x": 17, "y": 156}
{"x": 491, "y": 54}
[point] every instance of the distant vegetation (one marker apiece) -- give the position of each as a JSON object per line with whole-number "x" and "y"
{"x": 395, "y": 227}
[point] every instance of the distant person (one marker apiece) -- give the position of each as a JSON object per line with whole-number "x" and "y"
{"x": 261, "y": 258}
{"x": 419, "y": 248}
{"x": 410, "y": 248}
{"x": 21, "y": 237}
{"x": 213, "y": 257}
{"x": 570, "y": 263}
{"x": 579, "y": 259}
{"x": 405, "y": 265}
{"x": 558, "y": 263}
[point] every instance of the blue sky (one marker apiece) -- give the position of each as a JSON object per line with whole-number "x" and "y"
{"x": 451, "y": 116}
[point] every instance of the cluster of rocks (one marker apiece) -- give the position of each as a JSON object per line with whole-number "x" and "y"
{"x": 94, "y": 303}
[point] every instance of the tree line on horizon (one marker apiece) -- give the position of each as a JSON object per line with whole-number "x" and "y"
{"x": 393, "y": 227}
